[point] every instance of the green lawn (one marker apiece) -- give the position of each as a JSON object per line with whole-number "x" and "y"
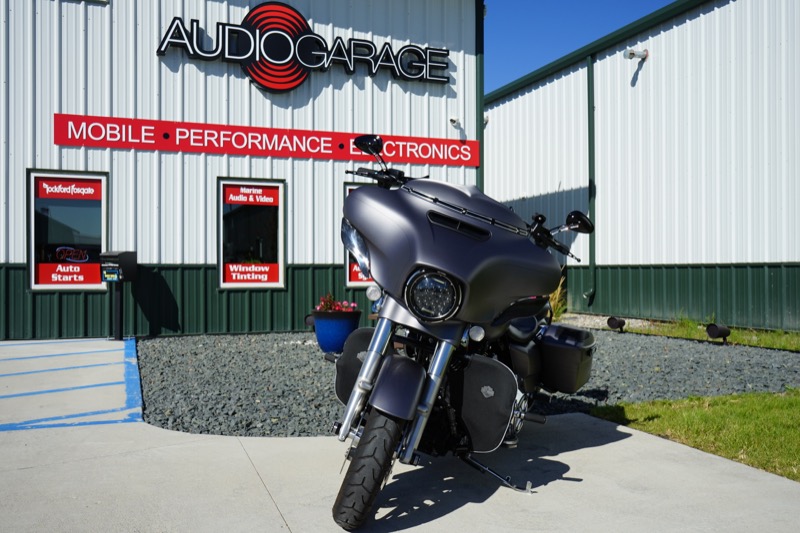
{"x": 689, "y": 329}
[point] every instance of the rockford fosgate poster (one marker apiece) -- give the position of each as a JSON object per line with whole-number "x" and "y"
{"x": 68, "y": 221}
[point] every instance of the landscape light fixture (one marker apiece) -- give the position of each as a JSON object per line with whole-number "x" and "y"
{"x": 616, "y": 323}
{"x": 716, "y": 331}
{"x": 630, "y": 53}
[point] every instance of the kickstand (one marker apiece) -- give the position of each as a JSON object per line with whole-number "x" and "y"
{"x": 483, "y": 469}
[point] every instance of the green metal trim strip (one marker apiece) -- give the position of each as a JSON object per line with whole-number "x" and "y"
{"x": 589, "y": 294}
{"x": 764, "y": 295}
{"x": 480, "y": 10}
{"x": 168, "y": 300}
{"x": 186, "y": 299}
{"x": 643, "y": 24}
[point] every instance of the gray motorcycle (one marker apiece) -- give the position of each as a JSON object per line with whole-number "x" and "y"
{"x": 463, "y": 340}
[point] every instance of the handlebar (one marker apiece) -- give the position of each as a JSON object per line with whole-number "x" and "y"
{"x": 544, "y": 237}
{"x": 385, "y": 178}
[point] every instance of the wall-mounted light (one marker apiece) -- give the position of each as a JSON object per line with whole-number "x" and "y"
{"x": 716, "y": 331}
{"x": 630, "y": 53}
{"x": 616, "y": 323}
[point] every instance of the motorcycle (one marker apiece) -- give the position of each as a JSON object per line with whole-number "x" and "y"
{"x": 464, "y": 339}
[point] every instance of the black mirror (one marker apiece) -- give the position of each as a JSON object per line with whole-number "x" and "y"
{"x": 579, "y": 222}
{"x": 369, "y": 144}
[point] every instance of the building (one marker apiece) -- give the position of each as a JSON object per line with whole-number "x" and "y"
{"x": 211, "y": 138}
{"x": 679, "y": 135}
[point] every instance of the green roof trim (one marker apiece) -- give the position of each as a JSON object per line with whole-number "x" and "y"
{"x": 626, "y": 32}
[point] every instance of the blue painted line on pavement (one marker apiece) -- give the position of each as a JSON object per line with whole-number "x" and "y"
{"x": 67, "y": 354}
{"x": 133, "y": 385}
{"x": 133, "y": 395}
{"x": 61, "y": 421}
{"x": 60, "y": 369}
{"x": 65, "y": 389}
{"x": 54, "y": 341}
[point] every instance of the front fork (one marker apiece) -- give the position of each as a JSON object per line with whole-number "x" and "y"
{"x": 366, "y": 380}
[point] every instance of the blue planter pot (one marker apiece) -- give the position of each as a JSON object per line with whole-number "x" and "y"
{"x": 333, "y": 327}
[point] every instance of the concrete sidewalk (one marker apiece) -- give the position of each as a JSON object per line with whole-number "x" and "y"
{"x": 589, "y": 475}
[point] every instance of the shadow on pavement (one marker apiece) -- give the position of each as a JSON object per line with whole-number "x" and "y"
{"x": 443, "y": 485}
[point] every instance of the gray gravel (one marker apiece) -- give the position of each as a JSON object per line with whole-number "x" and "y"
{"x": 280, "y": 385}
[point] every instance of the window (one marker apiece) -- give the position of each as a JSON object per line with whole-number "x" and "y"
{"x": 251, "y": 234}
{"x": 68, "y": 229}
{"x": 354, "y": 278}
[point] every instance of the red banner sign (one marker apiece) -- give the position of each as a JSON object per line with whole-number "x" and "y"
{"x": 194, "y": 137}
{"x": 68, "y": 188}
{"x": 67, "y": 273}
{"x": 252, "y": 273}
{"x": 355, "y": 275}
{"x": 251, "y": 195}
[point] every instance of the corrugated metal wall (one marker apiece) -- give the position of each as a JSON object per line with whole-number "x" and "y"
{"x": 697, "y": 146}
{"x": 90, "y": 58}
{"x": 692, "y": 167}
{"x": 536, "y": 150}
{"x": 97, "y": 58}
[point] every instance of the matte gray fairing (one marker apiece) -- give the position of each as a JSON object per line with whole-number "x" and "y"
{"x": 410, "y": 227}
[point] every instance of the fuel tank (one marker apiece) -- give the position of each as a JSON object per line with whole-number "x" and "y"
{"x": 458, "y": 230}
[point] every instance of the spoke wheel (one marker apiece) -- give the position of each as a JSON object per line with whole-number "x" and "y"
{"x": 369, "y": 467}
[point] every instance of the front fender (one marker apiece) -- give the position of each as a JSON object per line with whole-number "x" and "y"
{"x": 398, "y": 387}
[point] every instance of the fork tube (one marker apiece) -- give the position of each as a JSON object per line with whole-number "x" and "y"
{"x": 436, "y": 370}
{"x": 366, "y": 376}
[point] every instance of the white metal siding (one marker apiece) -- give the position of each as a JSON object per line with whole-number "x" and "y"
{"x": 536, "y": 151}
{"x": 696, "y": 147}
{"x": 697, "y": 158}
{"x": 100, "y": 59}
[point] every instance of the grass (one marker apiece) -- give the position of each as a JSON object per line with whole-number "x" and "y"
{"x": 758, "y": 429}
{"x": 689, "y": 329}
{"x": 558, "y": 300}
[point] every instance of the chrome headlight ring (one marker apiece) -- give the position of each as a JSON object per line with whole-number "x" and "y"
{"x": 432, "y": 296}
{"x": 356, "y": 245}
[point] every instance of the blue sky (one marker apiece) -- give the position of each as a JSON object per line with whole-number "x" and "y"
{"x": 524, "y": 35}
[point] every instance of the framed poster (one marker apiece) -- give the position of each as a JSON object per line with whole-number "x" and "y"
{"x": 354, "y": 277}
{"x": 67, "y": 229}
{"x": 251, "y": 236}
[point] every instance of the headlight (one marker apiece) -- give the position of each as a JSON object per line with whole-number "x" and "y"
{"x": 356, "y": 245}
{"x": 432, "y": 296}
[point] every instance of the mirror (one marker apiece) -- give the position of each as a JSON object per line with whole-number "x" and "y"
{"x": 579, "y": 222}
{"x": 369, "y": 144}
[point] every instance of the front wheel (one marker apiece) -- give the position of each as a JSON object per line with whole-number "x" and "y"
{"x": 368, "y": 469}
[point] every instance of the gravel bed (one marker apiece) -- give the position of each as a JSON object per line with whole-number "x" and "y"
{"x": 279, "y": 384}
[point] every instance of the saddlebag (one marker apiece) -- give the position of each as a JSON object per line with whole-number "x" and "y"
{"x": 566, "y": 354}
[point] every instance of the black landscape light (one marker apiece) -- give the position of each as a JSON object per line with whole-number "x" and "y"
{"x": 716, "y": 331}
{"x": 616, "y": 323}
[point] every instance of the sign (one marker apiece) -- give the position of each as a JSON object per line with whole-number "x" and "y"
{"x": 68, "y": 221}
{"x": 251, "y": 234}
{"x": 194, "y": 137}
{"x": 277, "y": 50}
{"x": 355, "y": 278}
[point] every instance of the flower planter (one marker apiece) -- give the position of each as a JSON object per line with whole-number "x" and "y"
{"x": 333, "y": 327}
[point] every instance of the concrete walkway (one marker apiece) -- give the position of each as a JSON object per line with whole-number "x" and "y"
{"x": 74, "y": 456}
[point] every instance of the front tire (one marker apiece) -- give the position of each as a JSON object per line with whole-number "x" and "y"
{"x": 368, "y": 469}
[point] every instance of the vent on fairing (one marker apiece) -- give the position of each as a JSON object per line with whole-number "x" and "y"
{"x": 454, "y": 224}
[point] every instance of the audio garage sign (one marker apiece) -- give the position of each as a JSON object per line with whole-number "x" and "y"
{"x": 276, "y": 48}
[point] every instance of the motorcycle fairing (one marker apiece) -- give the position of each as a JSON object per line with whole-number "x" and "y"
{"x": 406, "y": 231}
